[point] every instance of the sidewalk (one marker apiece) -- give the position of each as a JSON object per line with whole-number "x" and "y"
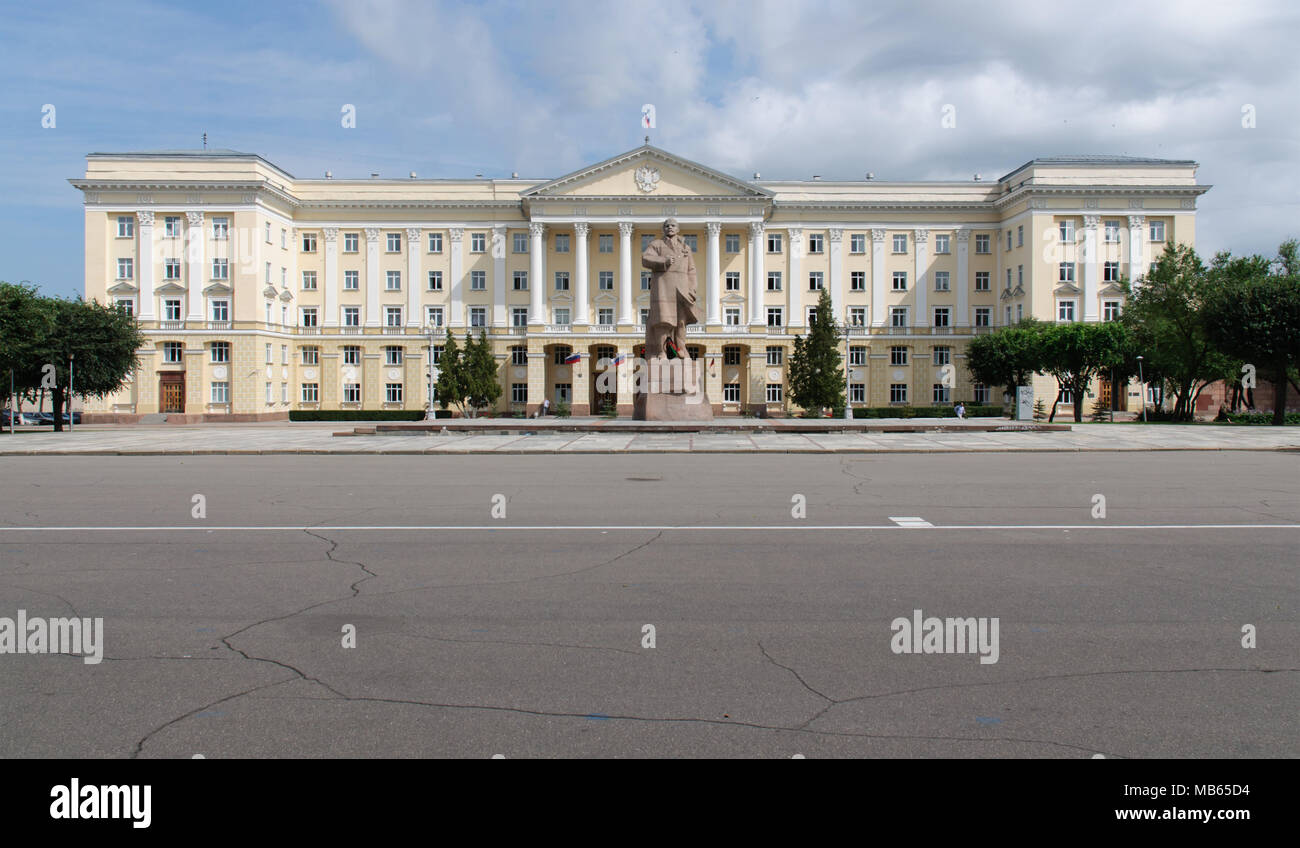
{"x": 319, "y": 438}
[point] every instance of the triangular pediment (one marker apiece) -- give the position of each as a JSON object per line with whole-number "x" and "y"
{"x": 122, "y": 288}
{"x": 1067, "y": 288}
{"x": 170, "y": 288}
{"x": 647, "y": 173}
{"x": 1112, "y": 289}
{"x": 217, "y": 289}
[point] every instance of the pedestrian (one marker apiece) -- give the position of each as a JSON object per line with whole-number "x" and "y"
{"x": 961, "y": 410}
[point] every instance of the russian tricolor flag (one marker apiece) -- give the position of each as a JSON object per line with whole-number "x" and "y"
{"x": 572, "y": 358}
{"x": 618, "y": 360}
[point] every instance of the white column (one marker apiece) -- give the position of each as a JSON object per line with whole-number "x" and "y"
{"x": 964, "y": 282}
{"x": 536, "y": 271}
{"x": 331, "y": 282}
{"x": 1137, "y": 262}
{"x": 922, "y": 318}
{"x": 413, "y": 284}
{"x": 580, "y": 302}
{"x": 1091, "y": 273}
{"x": 499, "y": 276}
{"x": 372, "y": 277}
{"x": 456, "y": 235}
{"x": 713, "y": 308}
{"x": 144, "y": 264}
{"x": 625, "y": 272}
{"x": 879, "y": 313}
{"x": 794, "y": 285}
{"x": 194, "y": 265}
{"x": 756, "y": 317}
{"x": 836, "y": 238}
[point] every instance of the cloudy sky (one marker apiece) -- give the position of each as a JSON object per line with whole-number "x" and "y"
{"x": 789, "y": 88}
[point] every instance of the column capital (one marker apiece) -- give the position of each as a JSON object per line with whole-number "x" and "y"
{"x": 581, "y": 229}
{"x": 625, "y": 228}
{"x": 836, "y": 235}
{"x": 413, "y": 235}
{"x": 796, "y": 234}
{"x": 1090, "y": 222}
{"x": 372, "y": 235}
{"x": 455, "y": 234}
{"x": 1136, "y": 221}
{"x": 714, "y": 228}
{"x": 195, "y": 219}
{"x": 922, "y": 236}
{"x": 878, "y": 235}
{"x": 963, "y": 236}
{"x": 331, "y": 234}
{"x": 536, "y": 230}
{"x": 144, "y": 217}
{"x": 756, "y": 229}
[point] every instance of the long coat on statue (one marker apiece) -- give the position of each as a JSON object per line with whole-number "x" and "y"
{"x": 673, "y": 302}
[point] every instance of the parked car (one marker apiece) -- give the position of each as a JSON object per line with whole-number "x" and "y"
{"x": 21, "y": 419}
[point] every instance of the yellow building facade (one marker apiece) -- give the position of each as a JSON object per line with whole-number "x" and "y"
{"x": 262, "y": 293}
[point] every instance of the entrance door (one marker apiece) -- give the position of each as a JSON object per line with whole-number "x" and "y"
{"x": 172, "y": 393}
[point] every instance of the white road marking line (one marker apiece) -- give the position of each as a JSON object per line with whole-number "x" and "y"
{"x": 910, "y": 521}
{"x": 653, "y": 527}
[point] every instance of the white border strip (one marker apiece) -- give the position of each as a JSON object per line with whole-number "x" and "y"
{"x": 648, "y": 527}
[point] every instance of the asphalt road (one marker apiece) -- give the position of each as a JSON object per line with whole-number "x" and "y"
{"x": 522, "y": 635}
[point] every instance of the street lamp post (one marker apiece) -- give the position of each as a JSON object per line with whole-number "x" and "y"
{"x": 1144, "y": 390}
{"x": 71, "y": 356}
{"x": 848, "y": 378}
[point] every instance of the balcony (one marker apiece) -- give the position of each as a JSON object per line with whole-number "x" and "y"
{"x": 899, "y": 331}
{"x": 350, "y": 331}
{"x": 559, "y": 328}
{"x": 218, "y": 325}
{"x": 941, "y": 331}
{"x": 171, "y": 325}
{"x": 602, "y": 328}
{"x": 857, "y": 331}
{"x": 980, "y": 331}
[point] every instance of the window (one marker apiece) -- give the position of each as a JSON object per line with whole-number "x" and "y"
{"x": 520, "y": 243}
{"x": 392, "y": 316}
{"x": 898, "y": 355}
{"x": 221, "y": 269}
{"x": 561, "y": 280}
{"x": 351, "y": 355}
{"x": 519, "y": 281}
{"x": 858, "y": 243}
{"x": 731, "y": 243}
{"x": 311, "y": 392}
{"x": 942, "y": 355}
{"x": 775, "y": 316}
{"x": 898, "y": 392}
{"x": 221, "y": 392}
{"x": 645, "y": 281}
{"x": 645, "y": 241}
{"x": 983, "y": 316}
{"x": 561, "y": 242}
{"x": 392, "y": 355}
{"x": 173, "y": 352}
{"x": 284, "y": 239}
{"x": 351, "y": 242}
{"x": 898, "y": 316}
{"x": 125, "y": 227}
{"x": 1066, "y": 230}
{"x": 309, "y": 280}
{"x": 351, "y": 316}
{"x": 1008, "y": 315}
{"x": 731, "y": 316}
{"x": 518, "y": 355}
{"x": 284, "y": 354}
{"x": 519, "y": 316}
{"x": 308, "y": 242}
{"x": 311, "y": 355}
{"x": 172, "y": 226}
{"x": 351, "y": 392}
{"x": 1067, "y": 397}
{"x": 605, "y": 243}
{"x": 563, "y": 392}
{"x": 1020, "y": 275}
{"x": 394, "y": 242}
{"x": 392, "y": 392}
{"x": 351, "y": 280}
{"x": 773, "y": 242}
{"x": 981, "y": 281}
{"x": 1020, "y": 236}
{"x": 1066, "y": 273}
{"x": 857, "y": 281}
{"x": 478, "y": 242}
{"x": 435, "y": 242}
{"x": 900, "y": 281}
{"x": 810, "y": 315}
{"x": 981, "y": 393}
{"x": 775, "y": 354}
{"x": 433, "y": 316}
{"x": 1110, "y": 272}
{"x": 815, "y": 281}
{"x": 562, "y": 316}
{"x": 942, "y": 316}
{"x": 941, "y": 244}
{"x": 941, "y": 393}
{"x": 125, "y": 269}
{"x": 1065, "y": 310}
{"x": 605, "y": 317}
{"x": 1109, "y": 310}
{"x": 284, "y": 277}
{"x": 645, "y": 317}
{"x": 478, "y": 280}
{"x": 733, "y": 281}
{"x": 171, "y": 269}
{"x": 1008, "y": 239}
{"x": 268, "y": 393}
{"x": 816, "y": 243}
{"x": 1112, "y": 232}
{"x": 941, "y": 281}
{"x": 1157, "y": 230}
{"x": 562, "y": 353}
{"x": 309, "y": 316}
{"x": 435, "y": 281}
{"x": 268, "y": 355}
{"x": 172, "y": 310}
{"x": 773, "y": 280}
{"x": 393, "y": 281}
{"x": 1008, "y": 279}
{"x": 731, "y": 355}
{"x": 857, "y": 316}
{"x": 284, "y": 393}
{"x": 125, "y": 304}
{"x": 857, "y": 393}
{"x": 605, "y": 281}
{"x": 220, "y": 310}
{"x": 982, "y": 244}
{"x": 519, "y": 393}
{"x": 857, "y": 355}
{"x": 693, "y": 242}
{"x": 900, "y": 243}
{"x": 1020, "y": 311}
{"x": 731, "y": 393}
{"x": 774, "y": 393}
{"x": 220, "y": 352}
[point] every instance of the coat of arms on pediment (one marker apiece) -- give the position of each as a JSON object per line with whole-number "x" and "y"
{"x": 647, "y": 178}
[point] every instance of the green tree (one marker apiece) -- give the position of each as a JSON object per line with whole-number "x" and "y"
{"x": 1255, "y": 316}
{"x": 1076, "y": 353}
{"x": 26, "y": 319}
{"x": 483, "y": 386}
{"x": 99, "y": 341}
{"x": 816, "y": 375}
{"x": 1008, "y": 356}
{"x": 1166, "y": 316}
{"x": 451, "y": 385}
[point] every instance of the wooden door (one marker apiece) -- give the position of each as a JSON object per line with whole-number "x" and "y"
{"x": 173, "y": 396}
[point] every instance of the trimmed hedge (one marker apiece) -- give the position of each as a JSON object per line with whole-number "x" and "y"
{"x": 1260, "y": 417}
{"x": 925, "y": 412}
{"x": 363, "y": 414}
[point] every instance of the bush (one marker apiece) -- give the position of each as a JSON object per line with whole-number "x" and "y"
{"x": 1260, "y": 417}
{"x": 363, "y": 414}
{"x": 563, "y": 410}
{"x": 609, "y": 409}
{"x": 925, "y": 412}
